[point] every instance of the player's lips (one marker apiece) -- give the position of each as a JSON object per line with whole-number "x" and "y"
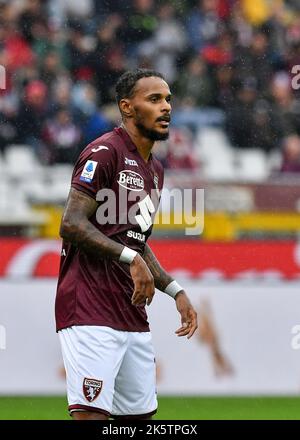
{"x": 164, "y": 121}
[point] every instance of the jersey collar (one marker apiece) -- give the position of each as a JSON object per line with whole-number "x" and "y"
{"x": 129, "y": 143}
{"x": 126, "y": 138}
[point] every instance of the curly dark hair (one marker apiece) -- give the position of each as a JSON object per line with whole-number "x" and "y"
{"x": 126, "y": 83}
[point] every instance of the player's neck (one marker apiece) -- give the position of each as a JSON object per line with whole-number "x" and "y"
{"x": 143, "y": 144}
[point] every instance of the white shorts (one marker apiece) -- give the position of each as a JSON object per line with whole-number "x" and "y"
{"x": 109, "y": 371}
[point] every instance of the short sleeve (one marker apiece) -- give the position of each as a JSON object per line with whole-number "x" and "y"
{"x": 94, "y": 169}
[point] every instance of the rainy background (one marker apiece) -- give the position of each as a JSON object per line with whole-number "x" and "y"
{"x": 233, "y": 68}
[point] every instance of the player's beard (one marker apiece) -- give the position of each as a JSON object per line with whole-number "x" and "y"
{"x": 151, "y": 134}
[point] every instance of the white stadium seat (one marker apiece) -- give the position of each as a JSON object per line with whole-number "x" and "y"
{"x": 215, "y": 154}
{"x": 252, "y": 165}
{"x": 20, "y": 161}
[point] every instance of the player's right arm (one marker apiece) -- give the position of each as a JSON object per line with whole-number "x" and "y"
{"x": 78, "y": 230}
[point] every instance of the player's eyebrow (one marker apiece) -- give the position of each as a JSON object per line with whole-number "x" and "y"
{"x": 158, "y": 95}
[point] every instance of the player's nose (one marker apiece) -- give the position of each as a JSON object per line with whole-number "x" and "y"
{"x": 166, "y": 107}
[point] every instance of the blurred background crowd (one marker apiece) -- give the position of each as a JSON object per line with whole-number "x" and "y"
{"x": 233, "y": 67}
{"x": 229, "y": 64}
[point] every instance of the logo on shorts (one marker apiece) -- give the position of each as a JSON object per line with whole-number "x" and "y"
{"x": 91, "y": 388}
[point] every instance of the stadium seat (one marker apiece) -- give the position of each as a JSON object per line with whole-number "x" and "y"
{"x": 210, "y": 142}
{"x": 274, "y": 160}
{"x": 2, "y": 166}
{"x": 21, "y": 162}
{"x": 215, "y": 154}
{"x": 13, "y": 205}
{"x": 60, "y": 173}
{"x": 58, "y": 192}
{"x": 35, "y": 191}
{"x": 251, "y": 165}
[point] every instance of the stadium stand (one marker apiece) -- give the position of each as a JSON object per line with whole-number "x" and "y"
{"x": 235, "y": 112}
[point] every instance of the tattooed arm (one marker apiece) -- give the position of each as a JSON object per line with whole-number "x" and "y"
{"x": 184, "y": 307}
{"x": 161, "y": 277}
{"x": 77, "y": 229}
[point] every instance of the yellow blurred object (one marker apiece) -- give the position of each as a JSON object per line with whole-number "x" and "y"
{"x": 222, "y": 226}
{"x": 269, "y": 222}
{"x": 218, "y": 226}
{"x": 54, "y": 214}
{"x": 256, "y": 11}
{"x": 225, "y": 226}
{"x": 230, "y": 226}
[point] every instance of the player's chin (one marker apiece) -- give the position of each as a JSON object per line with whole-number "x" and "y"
{"x": 162, "y": 134}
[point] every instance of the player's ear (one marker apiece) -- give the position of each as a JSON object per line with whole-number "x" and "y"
{"x": 126, "y": 108}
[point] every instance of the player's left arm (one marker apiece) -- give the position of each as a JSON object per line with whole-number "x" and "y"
{"x": 161, "y": 281}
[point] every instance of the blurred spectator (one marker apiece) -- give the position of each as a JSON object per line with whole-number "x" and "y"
{"x": 220, "y": 52}
{"x": 62, "y": 137}
{"x": 276, "y": 29}
{"x": 84, "y": 100}
{"x": 203, "y": 24}
{"x": 224, "y": 86}
{"x": 61, "y": 93}
{"x": 50, "y": 69}
{"x": 96, "y": 125}
{"x": 240, "y": 26}
{"x": 266, "y": 135}
{"x": 239, "y": 117}
{"x": 139, "y": 26}
{"x": 32, "y": 15}
{"x": 79, "y": 52}
{"x": 108, "y": 59}
{"x": 255, "y": 61}
{"x": 106, "y": 7}
{"x": 32, "y": 115}
{"x": 285, "y": 107}
{"x": 194, "y": 87}
{"x": 168, "y": 42}
{"x": 18, "y": 52}
{"x": 291, "y": 154}
{"x": 8, "y": 122}
{"x": 177, "y": 152}
{"x": 180, "y": 152}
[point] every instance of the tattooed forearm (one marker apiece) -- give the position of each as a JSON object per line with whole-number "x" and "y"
{"x": 77, "y": 229}
{"x": 161, "y": 277}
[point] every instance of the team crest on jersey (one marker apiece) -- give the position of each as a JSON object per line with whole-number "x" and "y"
{"x": 91, "y": 388}
{"x": 88, "y": 171}
{"x": 131, "y": 180}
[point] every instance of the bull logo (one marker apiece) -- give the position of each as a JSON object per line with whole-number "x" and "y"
{"x": 91, "y": 388}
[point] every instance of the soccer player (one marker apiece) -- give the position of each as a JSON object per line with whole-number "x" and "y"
{"x": 108, "y": 272}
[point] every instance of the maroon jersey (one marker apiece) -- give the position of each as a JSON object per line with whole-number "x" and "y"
{"x": 93, "y": 290}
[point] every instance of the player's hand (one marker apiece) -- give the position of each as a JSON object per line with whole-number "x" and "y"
{"x": 188, "y": 315}
{"x": 143, "y": 282}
